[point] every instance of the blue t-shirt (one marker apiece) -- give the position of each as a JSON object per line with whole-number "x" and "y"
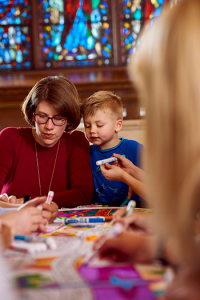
{"x": 112, "y": 192}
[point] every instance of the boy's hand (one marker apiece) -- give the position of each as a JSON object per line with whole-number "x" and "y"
{"x": 111, "y": 172}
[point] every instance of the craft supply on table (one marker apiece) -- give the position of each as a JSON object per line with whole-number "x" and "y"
{"x": 84, "y": 220}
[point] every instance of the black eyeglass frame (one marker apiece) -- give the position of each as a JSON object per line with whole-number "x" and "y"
{"x": 51, "y": 118}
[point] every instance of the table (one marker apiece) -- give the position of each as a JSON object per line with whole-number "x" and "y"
{"x": 63, "y": 273}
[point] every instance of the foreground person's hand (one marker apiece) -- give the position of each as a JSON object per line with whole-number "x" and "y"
{"x": 5, "y": 237}
{"x": 127, "y": 247}
{"x": 24, "y": 221}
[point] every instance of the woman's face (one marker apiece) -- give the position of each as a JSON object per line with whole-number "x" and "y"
{"x": 47, "y": 135}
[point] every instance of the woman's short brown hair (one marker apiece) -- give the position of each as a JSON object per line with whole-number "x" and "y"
{"x": 57, "y": 91}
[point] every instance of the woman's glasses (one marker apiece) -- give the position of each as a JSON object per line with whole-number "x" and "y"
{"x": 57, "y": 120}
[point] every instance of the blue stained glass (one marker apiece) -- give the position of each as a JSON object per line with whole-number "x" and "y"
{"x": 48, "y": 42}
{"x": 105, "y": 53}
{"x": 137, "y": 14}
{"x": 23, "y": 38}
{"x": 24, "y": 14}
{"x": 45, "y": 49}
{"x": 90, "y": 42}
{"x": 125, "y": 30}
{"x": 27, "y": 63}
{"x": 50, "y": 55}
{"x": 105, "y": 4}
{"x": 95, "y": 16}
{"x": 61, "y": 27}
{"x": 103, "y": 11}
{"x": 109, "y": 46}
{"x": 18, "y": 39}
{"x": 56, "y": 38}
{"x": 127, "y": 11}
{"x": 12, "y": 10}
{"x": 7, "y": 57}
{"x": 104, "y": 39}
{"x": 80, "y": 57}
{"x": 79, "y": 44}
{"x": 130, "y": 38}
{"x": 130, "y": 50}
{"x": 19, "y": 57}
{"x": 18, "y": 21}
{"x": 126, "y": 2}
{"x": 161, "y": 2}
{"x": 46, "y": 5}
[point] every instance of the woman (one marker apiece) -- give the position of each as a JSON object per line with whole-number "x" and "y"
{"x": 47, "y": 156}
{"x": 166, "y": 72}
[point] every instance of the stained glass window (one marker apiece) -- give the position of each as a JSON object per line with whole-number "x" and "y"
{"x": 75, "y": 33}
{"x": 134, "y": 15}
{"x": 15, "y": 35}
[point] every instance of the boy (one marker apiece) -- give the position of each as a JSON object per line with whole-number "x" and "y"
{"x": 103, "y": 114}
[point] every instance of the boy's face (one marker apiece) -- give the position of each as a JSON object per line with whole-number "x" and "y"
{"x": 102, "y": 129}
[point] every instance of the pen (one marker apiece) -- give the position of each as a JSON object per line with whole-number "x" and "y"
{"x": 125, "y": 202}
{"x": 130, "y": 207}
{"x": 84, "y": 220}
{"x": 107, "y": 160}
{"x": 50, "y": 197}
{"x": 37, "y": 239}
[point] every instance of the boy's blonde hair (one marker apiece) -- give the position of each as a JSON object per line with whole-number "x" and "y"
{"x": 166, "y": 70}
{"x": 102, "y": 100}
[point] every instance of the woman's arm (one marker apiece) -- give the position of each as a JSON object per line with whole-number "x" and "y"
{"x": 111, "y": 172}
{"x": 126, "y": 165}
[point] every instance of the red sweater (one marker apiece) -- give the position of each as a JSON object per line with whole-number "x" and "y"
{"x": 72, "y": 180}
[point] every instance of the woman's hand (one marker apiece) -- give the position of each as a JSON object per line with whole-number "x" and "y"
{"x": 126, "y": 165}
{"x": 24, "y": 221}
{"x": 51, "y": 210}
{"x": 127, "y": 247}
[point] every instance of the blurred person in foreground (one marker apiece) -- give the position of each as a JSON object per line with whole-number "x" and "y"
{"x": 166, "y": 72}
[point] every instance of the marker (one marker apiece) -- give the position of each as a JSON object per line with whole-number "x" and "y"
{"x": 107, "y": 160}
{"x": 50, "y": 197}
{"x": 28, "y": 247}
{"x": 50, "y": 242}
{"x": 83, "y": 220}
{"x": 130, "y": 207}
{"x": 125, "y": 202}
